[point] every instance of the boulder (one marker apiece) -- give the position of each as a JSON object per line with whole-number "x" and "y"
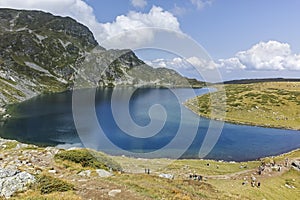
{"x": 86, "y": 173}
{"x": 12, "y": 181}
{"x": 296, "y": 164}
{"x": 168, "y": 176}
{"x": 103, "y": 173}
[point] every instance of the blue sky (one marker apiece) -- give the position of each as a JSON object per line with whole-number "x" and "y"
{"x": 225, "y": 26}
{"x": 244, "y": 38}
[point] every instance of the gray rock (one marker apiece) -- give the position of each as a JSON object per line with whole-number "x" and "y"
{"x": 85, "y": 173}
{"x": 296, "y": 164}
{"x": 168, "y": 176}
{"x": 113, "y": 193}
{"x": 4, "y": 173}
{"x": 103, "y": 173}
{"x": 52, "y": 171}
{"x": 12, "y": 181}
{"x": 20, "y": 145}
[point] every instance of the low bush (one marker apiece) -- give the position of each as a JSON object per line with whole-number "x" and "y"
{"x": 89, "y": 158}
{"x": 47, "y": 184}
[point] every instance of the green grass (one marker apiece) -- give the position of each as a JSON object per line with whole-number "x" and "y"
{"x": 271, "y": 188}
{"x": 159, "y": 188}
{"x": 34, "y": 195}
{"x": 271, "y": 104}
{"x": 10, "y": 145}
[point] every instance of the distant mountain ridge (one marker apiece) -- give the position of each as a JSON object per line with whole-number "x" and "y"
{"x": 248, "y": 81}
{"x": 40, "y": 52}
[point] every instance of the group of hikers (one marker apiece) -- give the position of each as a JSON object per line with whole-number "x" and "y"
{"x": 196, "y": 177}
{"x": 262, "y": 168}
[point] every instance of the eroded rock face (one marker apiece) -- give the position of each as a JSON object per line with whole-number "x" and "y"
{"x": 12, "y": 181}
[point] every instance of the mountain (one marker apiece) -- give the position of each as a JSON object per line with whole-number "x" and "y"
{"x": 41, "y": 53}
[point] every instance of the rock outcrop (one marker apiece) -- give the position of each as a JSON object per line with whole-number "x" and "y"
{"x": 12, "y": 181}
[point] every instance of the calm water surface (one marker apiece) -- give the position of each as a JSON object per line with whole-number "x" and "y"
{"x": 48, "y": 120}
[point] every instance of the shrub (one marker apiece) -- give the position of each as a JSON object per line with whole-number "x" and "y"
{"x": 47, "y": 184}
{"x": 89, "y": 158}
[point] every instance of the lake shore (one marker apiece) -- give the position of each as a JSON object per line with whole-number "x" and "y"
{"x": 219, "y": 179}
{"x": 269, "y": 105}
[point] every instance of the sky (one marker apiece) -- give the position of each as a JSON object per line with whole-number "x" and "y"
{"x": 238, "y": 38}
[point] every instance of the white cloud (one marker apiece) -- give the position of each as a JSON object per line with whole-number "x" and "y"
{"x": 82, "y": 12}
{"x": 181, "y": 64}
{"x": 139, "y": 3}
{"x": 77, "y": 9}
{"x": 271, "y": 55}
{"x": 200, "y": 4}
{"x": 134, "y": 22}
{"x": 178, "y": 11}
{"x": 202, "y": 63}
{"x": 230, "y": 64}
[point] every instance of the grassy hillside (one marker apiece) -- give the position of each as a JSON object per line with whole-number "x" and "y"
{"x": 269, "y": 104}
{"x": 58, "y": 176}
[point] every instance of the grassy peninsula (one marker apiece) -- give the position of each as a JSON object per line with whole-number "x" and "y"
{"x": 267, "y": 104}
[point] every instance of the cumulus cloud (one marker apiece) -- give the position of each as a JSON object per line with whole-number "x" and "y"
{"x": 264, "y": 56}
{"x": 139, "y": 3}
{"x": 200, "y": 4}
{"x": 175, "y": 63}
{"x": 183, "y": 64}
{"x": 271, "y": 55}
{"x": 134, "y": 22}
{"x": 230, "y": 64}
{"x": 202, "y": 63}
{"x": 131, "y": 27}
{"x": 77, "y": 9}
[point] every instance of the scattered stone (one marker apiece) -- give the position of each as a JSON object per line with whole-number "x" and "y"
{"x": 167, "y": 176}
{"x": 82, "y": 180}
{"x": 12, "y": 181}
{"x": 6, "y": 116}
{"x": 289, "y": 186}
{"x": 103, "y": 173}
{"x": 113, "y": 193}
{"x": 20, "y": 145}
{"x": 85, "y": 173}
{"x": 51, "y": 150}
{"x": 52, "y": 171}
{"x": 2, "y": 110}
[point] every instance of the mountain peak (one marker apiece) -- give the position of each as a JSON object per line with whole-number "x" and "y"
{"x": 40, "y": 52}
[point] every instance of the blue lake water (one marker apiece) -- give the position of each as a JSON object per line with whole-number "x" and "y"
{"x": 49, "y": 120}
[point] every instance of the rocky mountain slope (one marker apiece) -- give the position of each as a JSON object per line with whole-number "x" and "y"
{"x": 40, "y": 52}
